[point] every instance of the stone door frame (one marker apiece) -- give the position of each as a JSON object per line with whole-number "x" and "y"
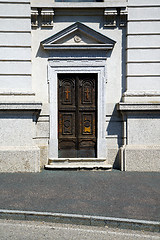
{"x": 77, "y": 65}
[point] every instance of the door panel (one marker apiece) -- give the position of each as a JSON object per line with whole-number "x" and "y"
{"x": 77, "y": 115}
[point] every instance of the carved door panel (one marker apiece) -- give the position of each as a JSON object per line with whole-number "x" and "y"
{"x": 77, "y": 115}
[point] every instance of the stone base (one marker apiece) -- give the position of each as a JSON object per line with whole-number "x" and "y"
{"x": 113, "y": 157}
{"x": 140, "y": 158}
{"x": 20, "y": 159}
{"x": 43, "y": 156}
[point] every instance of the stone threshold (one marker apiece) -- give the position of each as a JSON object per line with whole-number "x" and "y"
{"x": 78, "y": 167}
{"x": 77, "y": 159}
{"x": 78, "y": 163}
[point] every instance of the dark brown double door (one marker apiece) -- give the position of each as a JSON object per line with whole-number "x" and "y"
{"x": 77, "y": 106}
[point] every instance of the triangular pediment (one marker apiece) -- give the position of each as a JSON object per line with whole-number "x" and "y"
{"x": 78, "y": 36}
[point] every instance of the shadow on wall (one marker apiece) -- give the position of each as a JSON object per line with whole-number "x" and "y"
{"x": 124, "y": 46}
{"x": 41, "y": 53}
{"x": 114, "y": 136}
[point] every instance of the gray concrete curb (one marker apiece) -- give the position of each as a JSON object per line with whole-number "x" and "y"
{"x": 124, "y": 223}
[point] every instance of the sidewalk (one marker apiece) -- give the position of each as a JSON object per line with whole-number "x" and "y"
{"x": 116, "y": 194}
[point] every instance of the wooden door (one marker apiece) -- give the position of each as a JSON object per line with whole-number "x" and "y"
{"x": 77, "y": 121}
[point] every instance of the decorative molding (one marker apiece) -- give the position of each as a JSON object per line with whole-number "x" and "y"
{"x": 78, "y": 47}
{"x": 47, "y": 17}
{"x": 43, "y": 17}
{"x": 34, "y": 18}
{"x": 77, "y": 66}
{"x": 123, "y": 17}
{"x": 72, "y": 59}
{"x": 77, "y": 38}
{"x": 115, "y": 17}
{"x": 101, "y": 42}
{"x": 141, "y": 94}
{"x": 110, "y": 17}
{"x": 16, "y": 93}
{"x": 20, "y": 106}
{"x": 77, "y": 5}
{"x": 138, "y": 106}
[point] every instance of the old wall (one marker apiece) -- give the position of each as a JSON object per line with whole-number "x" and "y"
{"x": 115, "y": 86}
{"x": 15, "y": 45}
{"x": 17, "y": 104}
{"x": 141, "y": 105}
{"x": 24, "y": 79}
{"x": 143, "y": 50}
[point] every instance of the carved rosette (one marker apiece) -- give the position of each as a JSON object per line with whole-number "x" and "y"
{"x": 77, "y": 39}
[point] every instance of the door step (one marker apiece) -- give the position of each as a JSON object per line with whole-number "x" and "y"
{"x": 78, "y": 163}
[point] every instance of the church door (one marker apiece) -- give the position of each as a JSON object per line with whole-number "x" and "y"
{"x": 77, "y": 117}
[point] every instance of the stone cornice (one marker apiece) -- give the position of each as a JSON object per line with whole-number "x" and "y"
{"x": 107, "y": 3}
{"x": 16, "y": 93}
{"x": 31, "y": 106}
{"x": 78, "y": 47}
{"x": 138, "y": 106}
{"x": 101, "y": 42}
{"x": 141, "y": 93}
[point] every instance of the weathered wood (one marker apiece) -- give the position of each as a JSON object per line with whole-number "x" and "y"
{"x": 77, "y": 115}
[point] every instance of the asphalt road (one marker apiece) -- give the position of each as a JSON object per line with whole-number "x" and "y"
{"x": 18, "y": 230}
{"x": 111, "y": 194}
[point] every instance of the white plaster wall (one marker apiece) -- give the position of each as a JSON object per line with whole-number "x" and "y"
{"x": 39, "y": 66}
{"x": 16, "y": 67}
{"x": 37, "y": 2}
{"x": 11, "y": 53}
{"x": 14, "y": 10}
{"x": 15, "y": 39}
{"x": 143, "y": 27}
{"x": 20, "y": 25}
{"x": 148, "y": 13}
{"x": 14, "y": 82}
{"x": 114, "y": 68}
{"x": 143, "y": 69}
{"x": 144, "y": 83}
{"x": 17, "y": 1}
{"x": 144, "y": 55}
{"x": 15, "y": 45}
{"x": 143, "y": 43}
{"x": 143, "y": 3}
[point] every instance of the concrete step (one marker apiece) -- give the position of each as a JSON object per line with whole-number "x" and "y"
{"x": 78, "y": 163}
{"x": 67, "y": 166}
